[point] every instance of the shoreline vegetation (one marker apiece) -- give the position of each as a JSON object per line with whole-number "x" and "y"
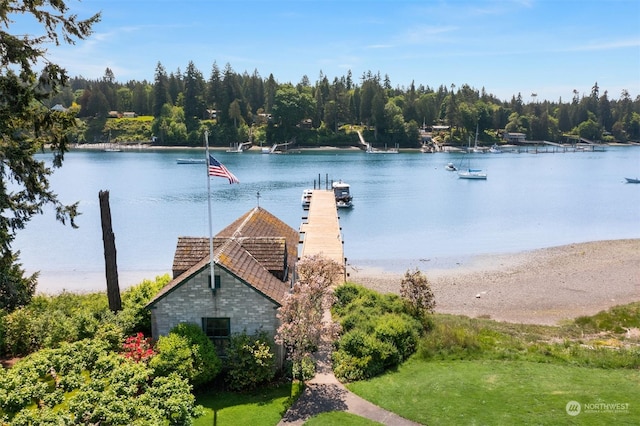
{"x": 143, "y": 146}
{"x": 542, "y": 286}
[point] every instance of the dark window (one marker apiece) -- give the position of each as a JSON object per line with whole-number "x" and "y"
{"x": 218, "y": 330}
{"x": 216, "y": 282}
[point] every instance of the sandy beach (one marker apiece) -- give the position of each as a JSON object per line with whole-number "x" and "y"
{"x": 544, "y": 286}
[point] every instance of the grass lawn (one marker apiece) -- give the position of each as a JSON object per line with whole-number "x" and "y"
{"x": 503, "y": 392}
{"x": 264, "y": 407}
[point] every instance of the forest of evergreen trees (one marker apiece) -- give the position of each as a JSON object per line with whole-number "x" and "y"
{"x": 232, "y": 105}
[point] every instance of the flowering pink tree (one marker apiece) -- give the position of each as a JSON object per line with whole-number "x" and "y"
{"x": 301, "y": 316}
{"x": 138, "y": 348}
{"x": 415, "y": 288}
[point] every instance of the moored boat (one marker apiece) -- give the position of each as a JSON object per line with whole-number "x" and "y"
{"x": 472, "y": 174}
{"x": 191, "y": 160}
{"x": 306, "y": 198}
{"x": 450, "y": 167}
{"x": 342, "y": 192}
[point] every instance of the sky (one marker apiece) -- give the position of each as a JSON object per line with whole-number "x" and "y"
{"x": 546, "y": 48}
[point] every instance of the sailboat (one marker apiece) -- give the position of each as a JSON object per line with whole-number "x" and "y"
{"x": 476, "y": 148}
{"x": 468, "y": 172}
{"x": 110, "y": 146}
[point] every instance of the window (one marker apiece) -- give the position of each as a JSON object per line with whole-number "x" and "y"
{"x": 218, "y": 330}
{"x": 216, "y": 282}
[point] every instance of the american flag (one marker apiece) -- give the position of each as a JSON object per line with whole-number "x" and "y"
{"x": 218, "y": 169}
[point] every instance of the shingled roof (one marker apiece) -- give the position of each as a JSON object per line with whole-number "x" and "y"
{"x": 258, "y": 248}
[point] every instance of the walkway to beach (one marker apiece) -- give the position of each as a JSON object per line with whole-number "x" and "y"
{"x": 324, "y": 393}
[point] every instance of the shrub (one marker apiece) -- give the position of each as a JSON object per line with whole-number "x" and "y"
{"x": 363, "y": 355}
{"x": 84, "y": 383}
{"x": 345, "y": 294}
{"x": 174, "y": 356}
{"x": 187, "y": 351}
{"x": 135, "y": 317}
{"x": 415, "y": 288}
{"x": 378, "y": 332}
{"x": 20, "y": 337}
{"x": 138, "y": 348}
{"x": 399, "y": 330}
{"x": 250, "y": 361}
{"x": 348, "y": 367}
{"x": 304, "y": 370}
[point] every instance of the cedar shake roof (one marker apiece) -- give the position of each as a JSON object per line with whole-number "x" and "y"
{"x": 258, "y": 248}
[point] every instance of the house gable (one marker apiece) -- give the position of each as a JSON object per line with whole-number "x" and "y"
{"x": 256, "y": 250}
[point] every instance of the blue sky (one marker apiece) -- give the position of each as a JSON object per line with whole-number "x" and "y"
{"x": 547, "y": 47}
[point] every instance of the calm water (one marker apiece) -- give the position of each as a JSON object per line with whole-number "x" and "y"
{"x": 407, "y": 206}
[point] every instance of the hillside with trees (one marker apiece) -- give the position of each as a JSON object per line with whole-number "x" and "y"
{"x": 176, "y": 107}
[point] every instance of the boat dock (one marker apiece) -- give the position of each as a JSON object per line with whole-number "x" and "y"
{"x": 320, "y": 230}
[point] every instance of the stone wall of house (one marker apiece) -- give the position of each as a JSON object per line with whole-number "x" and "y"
{"x": 243, "y": 305}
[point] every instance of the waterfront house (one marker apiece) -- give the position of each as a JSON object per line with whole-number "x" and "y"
{"x": 254, "y": 259}
{"x": 514, "y": 138}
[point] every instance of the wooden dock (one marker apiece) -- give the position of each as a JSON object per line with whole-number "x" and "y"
{"x": 320, "y": 233}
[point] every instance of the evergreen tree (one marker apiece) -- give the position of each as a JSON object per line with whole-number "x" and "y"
{"x": 214, "y": 87}
{"x": 194, "y": 88}
{"x": 26, "y": 125}
{"x": 160, "y": 90}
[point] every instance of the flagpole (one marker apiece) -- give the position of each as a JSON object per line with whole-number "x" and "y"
{"x": 213, "y": 278}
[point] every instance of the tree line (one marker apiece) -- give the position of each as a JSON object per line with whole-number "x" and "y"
{"x": 235, "y": 106}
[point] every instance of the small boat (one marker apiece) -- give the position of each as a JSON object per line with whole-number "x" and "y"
{"x": 427, "y": 149}
{"x": 494, "y": 149}
{"x": 306, "y": 198}
{"x": 450, "y": 167}
{"x": 341, "y": 190}
{"x": 191, "y": 160}
{"x": 632, "y": 180}
{"x": 472, "y": 174}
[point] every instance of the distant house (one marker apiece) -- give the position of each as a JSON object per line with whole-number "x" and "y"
{"x": 129, "y": 114}
{"x": 254, "y": 261}
{"x": 514, "y": 138}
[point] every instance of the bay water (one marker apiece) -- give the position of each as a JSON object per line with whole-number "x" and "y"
{"x": 408, "y": 210}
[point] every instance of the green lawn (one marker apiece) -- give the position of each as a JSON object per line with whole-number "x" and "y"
{"x": 493, "y": 392}
{"x": 264, "y": 407}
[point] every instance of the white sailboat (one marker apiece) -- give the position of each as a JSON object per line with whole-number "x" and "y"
{"x": 476, "y": 148}
{"x": 468, "y": 172}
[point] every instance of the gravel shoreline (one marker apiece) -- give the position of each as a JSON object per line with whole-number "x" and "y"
{"x": 544, "y": 286}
